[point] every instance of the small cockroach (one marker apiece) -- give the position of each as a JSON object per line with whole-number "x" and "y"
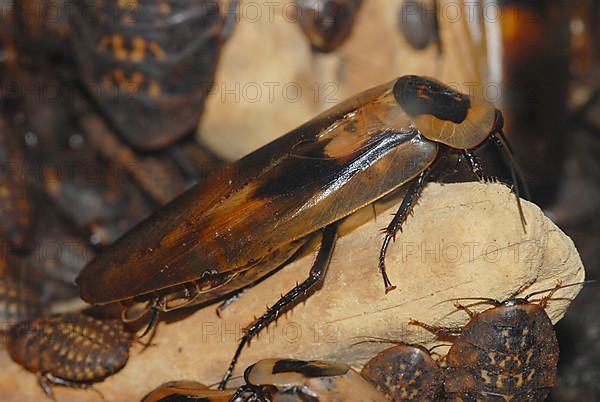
{"x": 73, "y": 349}
{"x": 419, "y": 24}
{"x": 236, "y": 227}
{"x": 327, "y": 23}
{"x": 316, "y": 381}
{"x": 507, "y": 352}
{"x": 405, "y": 373}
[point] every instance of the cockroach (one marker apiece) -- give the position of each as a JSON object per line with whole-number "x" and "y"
{"x": 419, "y": 25}
{"x": 73, "y": 349}
{"x": 507, "y": 352}
{"x": 405, "y": 373}
{"x": 188, "y": 391}
{"x": 150, "y": 65}
{"x": 315, "y": 380}
{"x": 239, "y": 225}
{"x": 327, "y": 23}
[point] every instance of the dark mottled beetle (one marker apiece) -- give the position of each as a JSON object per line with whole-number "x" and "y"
{"x": 508, "y": 352}
{"x": 327, "y": 23}
{"x": 405, "y": 373}
{"x": 73, "y": 349}
{"x": 242, "y": 224}
{"x": 311, "y": 381}
{"x": 419, "y": 23}
{"x": 149, "y": 64}
{"x": 15, "y": 205}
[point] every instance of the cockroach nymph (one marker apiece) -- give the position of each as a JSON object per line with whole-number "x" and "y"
{"x": 73, "y": 349}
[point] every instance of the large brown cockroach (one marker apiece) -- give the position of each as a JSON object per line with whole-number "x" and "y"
{"x": 327, "y": 23}
{"x": 236, "y": 227}
{"x": 74, "y": 349}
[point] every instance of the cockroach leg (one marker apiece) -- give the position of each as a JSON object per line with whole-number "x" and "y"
{"x": 442, "y": 333}
{"x": 399, "y": 218}
{"x": 153, "y": 307}
{"x": 46, "y": 379}
{"x": 152, "y": 323}
{"x": 474, "y": 164}
{"x": 476, "y": 167}
{"x": 44, "y": 383}
{"x": 255, "y": 393}
{"x": 544, "y": 302}
{"x": 290, "y": 299}
{"x": 52, "y": 379}
{"x": 466, "y": 309}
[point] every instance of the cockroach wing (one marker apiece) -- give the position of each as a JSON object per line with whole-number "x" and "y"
{"x": 317, "y": 174}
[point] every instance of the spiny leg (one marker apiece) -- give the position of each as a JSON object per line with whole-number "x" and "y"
{"x": 439, "y": 331}
{"x": 474, "y": 164}
{"x": 290, "y": 299}
{"x": 466, "y": 309}
{"x": 252, "y": 393}
{"x": 550, "y": 296}
{"x": 476, "y": 167}
{"x": 544, "y": 302}
{"x": 44, "y": 383}
{"x": 47, "y": 379}
{"x": 153, "y": 322}
{"x": 399, "y": 218}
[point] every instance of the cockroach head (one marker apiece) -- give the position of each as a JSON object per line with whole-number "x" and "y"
{"x": 443, "y": 114}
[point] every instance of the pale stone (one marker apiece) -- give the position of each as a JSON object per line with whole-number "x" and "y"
{"x": 464, "y": 240}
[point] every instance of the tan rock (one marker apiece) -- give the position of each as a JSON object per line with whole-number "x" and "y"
{"x": 465, "y": 240}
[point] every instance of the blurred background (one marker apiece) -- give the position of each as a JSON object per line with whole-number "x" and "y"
{"x": 111, "y": 108}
